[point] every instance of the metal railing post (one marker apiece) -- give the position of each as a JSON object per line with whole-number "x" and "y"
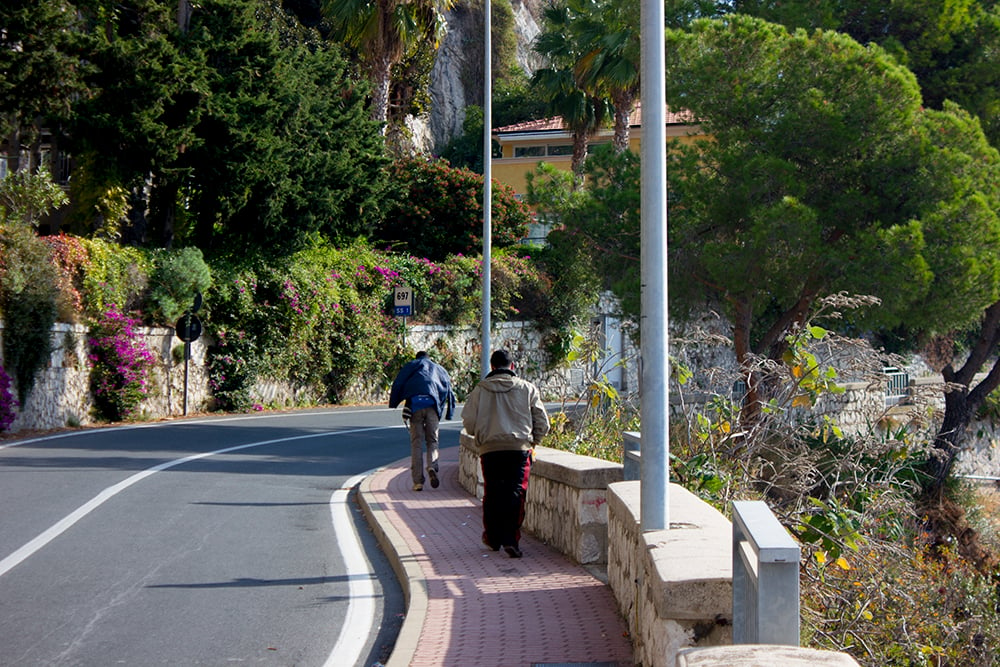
{"x": 765, "y": 577}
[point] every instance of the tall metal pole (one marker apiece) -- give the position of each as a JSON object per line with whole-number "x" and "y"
{"x": 487, "y": 182}
{"x": 654, "y": 494}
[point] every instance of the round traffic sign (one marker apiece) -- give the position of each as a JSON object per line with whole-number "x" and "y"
{"x": 188, "y": 327}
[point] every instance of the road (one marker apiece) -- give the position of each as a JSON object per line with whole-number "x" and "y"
{"x": 210, "y": 541}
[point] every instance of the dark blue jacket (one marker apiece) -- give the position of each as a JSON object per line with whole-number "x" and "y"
{"x": 423, "y": 376}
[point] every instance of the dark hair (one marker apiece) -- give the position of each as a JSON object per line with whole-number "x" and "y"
{"x": 501, "y": 359}
{"x": 421, "y": 353}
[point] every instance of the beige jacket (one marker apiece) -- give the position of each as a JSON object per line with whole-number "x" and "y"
{"x": 504, "y": 412}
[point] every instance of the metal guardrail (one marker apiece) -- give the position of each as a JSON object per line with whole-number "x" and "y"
{"x": 632, "y": 460}
{"x": 897, "y": 387}
{"x": 765, "y": 577}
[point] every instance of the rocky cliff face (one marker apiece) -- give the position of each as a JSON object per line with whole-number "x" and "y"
{"x": 461, "y": 53}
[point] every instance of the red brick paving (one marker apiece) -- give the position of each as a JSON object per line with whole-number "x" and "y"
{"x": 485, "y": 609}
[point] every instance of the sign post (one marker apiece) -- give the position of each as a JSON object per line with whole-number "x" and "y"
{"x": 403, "y": 305}
{"x": 188, "y": 329}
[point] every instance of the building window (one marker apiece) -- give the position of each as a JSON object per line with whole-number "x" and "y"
{"x": 529, "y": 151}
{"x": 561, "y": 149}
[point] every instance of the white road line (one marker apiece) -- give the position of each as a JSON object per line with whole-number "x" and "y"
{"x": 186, "y": 422}
{"x": 57, "y": 529}
{"x": 360, "y": 616}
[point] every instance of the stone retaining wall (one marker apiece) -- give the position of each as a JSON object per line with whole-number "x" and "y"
{"x": 61, "y": 395}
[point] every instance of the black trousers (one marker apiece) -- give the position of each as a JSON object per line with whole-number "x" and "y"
{"x": 505, "y": 488}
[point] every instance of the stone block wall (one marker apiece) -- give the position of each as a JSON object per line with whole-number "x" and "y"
{"x": 568, "y": 504}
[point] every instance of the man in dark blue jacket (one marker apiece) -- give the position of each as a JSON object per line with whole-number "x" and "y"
{"x": 424, "y": 388}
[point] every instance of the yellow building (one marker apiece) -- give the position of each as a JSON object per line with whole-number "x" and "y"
{"x": 524, "y": 145}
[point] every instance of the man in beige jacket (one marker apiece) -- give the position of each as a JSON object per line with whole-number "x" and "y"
{"x": 507, "y": 418}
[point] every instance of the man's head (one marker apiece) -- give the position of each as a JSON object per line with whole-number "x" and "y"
{"x": 421, "y": 354}
{"x": 501, "y": 359}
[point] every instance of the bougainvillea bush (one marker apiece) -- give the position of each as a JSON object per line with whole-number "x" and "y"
{"x": 121, "y": 366}
{"x": 8, "y": 404}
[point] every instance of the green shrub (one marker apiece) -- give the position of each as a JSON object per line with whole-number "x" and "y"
{"x": 441, "y": 211}
{"x": 28, "y": 279}
{"x": 28, "y": 296}
{"x": 177, "y": 277}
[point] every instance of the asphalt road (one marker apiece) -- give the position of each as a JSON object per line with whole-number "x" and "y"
{"x": 216, "y": 541}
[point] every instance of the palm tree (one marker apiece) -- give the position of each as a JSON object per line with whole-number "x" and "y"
{"x": 598, "y": 41}
{"x": 582, "y": 111}
{"x": 582, "y": 114}
{"x": 610, "y": 62}
{"x": 384, "y": 32}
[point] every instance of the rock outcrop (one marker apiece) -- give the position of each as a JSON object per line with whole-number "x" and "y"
{"x": 461, "y": 52}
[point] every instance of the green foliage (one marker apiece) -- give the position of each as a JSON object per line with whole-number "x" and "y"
{"x": 440, "y": 211}
{"x": 42, "y": 70}
{"x": 146, "y": 95}
{"x": 177, "y": 277}
{"x": 321, "y": 319}
{"x": 384, "y": 33}
{"x": 26, "y": 196}
{"x": 114, "y": 276}
{"x": 120, "y": 366}
{"x": 317, "y": 319}
{"x": 282, "y": 154}
{"x": 950, "y": 46}
{"x": 241, "y": 128}
{"x": 829, "y": 190}
{"x": 592, "y": 424}
{"x": 466, "y": 150}
{"x": 99, "y": 206}
{"x": 894, "y": 604}
{"x": 595, "y": 244}
{"x": 514, "y": 101}
{"x": 28, "y": 294}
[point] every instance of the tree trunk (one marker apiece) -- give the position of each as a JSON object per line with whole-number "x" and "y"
{"x": 750, "y": 411}
{"x": 381, "y": 75}
{"x": 137, "y": 223}
{"x": 163, "y": 205}
{"x": 579, "y": 157}
{"x": 961, "y": 404}
{"x": 623, "y": 110}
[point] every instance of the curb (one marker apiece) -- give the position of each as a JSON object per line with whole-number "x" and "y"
{"x": 408, "y": 571}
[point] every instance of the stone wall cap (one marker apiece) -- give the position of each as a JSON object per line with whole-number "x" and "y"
{"x": 760, "y": 655}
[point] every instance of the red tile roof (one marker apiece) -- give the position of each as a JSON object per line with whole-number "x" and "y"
{"x": 556, "y": 123}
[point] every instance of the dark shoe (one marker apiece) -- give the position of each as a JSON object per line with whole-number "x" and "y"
{"x": 435, "y": 482}
{"x": 513, "y": 551}
{"x": 494, "y": 547}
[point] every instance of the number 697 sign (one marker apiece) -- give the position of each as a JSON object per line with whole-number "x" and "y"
{"x": 403, "y": 303}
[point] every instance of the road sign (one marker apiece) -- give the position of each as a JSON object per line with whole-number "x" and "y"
{"x": 188, "y": 327}
{"x": 403, "y": 302}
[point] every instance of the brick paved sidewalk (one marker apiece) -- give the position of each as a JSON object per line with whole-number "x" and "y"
{"x": 472, "y": 607}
